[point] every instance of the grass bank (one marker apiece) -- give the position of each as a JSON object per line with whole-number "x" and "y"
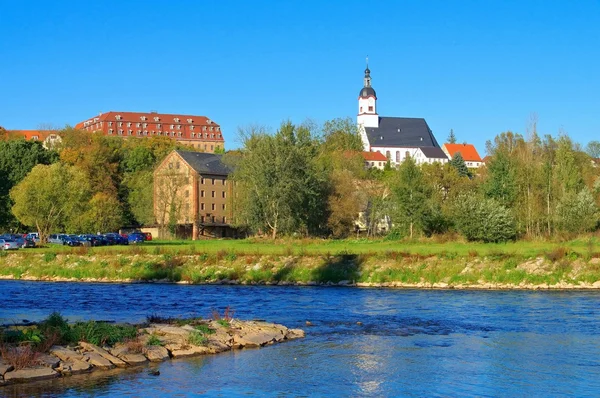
{"x": 573, "y": 264}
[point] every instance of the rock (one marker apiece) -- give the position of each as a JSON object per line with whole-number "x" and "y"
{"x": 217, "y": 346}
{"x": 105, "y": 354}
{"x": 359, "y": 323}
{"x": 254, "y": 339}
{"x": 168, "y": 329}
{"x": 294, "y": 334}
{"x": 596, "y": 285}
{"x": 30, "y": 374}
{"x": 134, "y": 359}
{"x": 98, "y": 360}
{"x": 190, "y": 351}
{"x": 156, "y": 353}
{"x": 119, "y": 350}
{"x": 73, "y": 366}
{"x": 4, "y": 367}
{"x": 50, "y": 361}
{"x": 65, "y": 354}
{"x": 154, "y": 373}
{"x": 309, "y": 323}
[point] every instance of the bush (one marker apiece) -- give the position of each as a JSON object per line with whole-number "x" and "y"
{"x": 100, "y": 333}
{"x": 19, "y": 357}
{"x": 204, "y": 329}
{"x": 49, "y": 256}
{"x": 484, "y": 220}
{"x": 154, "y": 340}
{"x": 57, "y": 326}
{"x": 197, "y": 338}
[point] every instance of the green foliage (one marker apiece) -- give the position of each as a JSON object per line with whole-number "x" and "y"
{"x": 483, "y": 220}
{"x": 56, "y": 325}
{"x": 100, "y": 333}
{"x": 38, "y": 200}
{"x": 49, "y": 256}
{"x": 223, "y": 322}
{"x": 459, "y": 164}
{"x": 577, "y": 213}
{"x": 411, "y": 196}
{"x": 501, "y": 184}
{"x": 451, "y": 137}
{"x": 197, "y": 339}
{"x": 593, "y": 149}
{"x": 204, "y": 329}
{"x": 153, "y": 340}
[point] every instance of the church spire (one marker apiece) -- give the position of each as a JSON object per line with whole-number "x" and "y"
{"x": 367, "y": 74}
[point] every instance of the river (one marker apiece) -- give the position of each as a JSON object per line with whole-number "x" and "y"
{"x": 362, "y": 342}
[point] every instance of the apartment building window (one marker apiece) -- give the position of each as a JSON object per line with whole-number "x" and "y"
{"x": 213, "y": 206}
{"x": 120, "y": 124}
{"x": 179, "y": 134}
{"x": 202, "y": 219}
{"x": 205, "y": 147}
{"x": 193, "y": 135}
{"x": 224, "y": 182}
{"x": 212, "y": 181}
{"x": 211, "y": 128}
{"x": 189, "y": 120}
{"x": 172, "y": 126}
{"x": 145, "y": 125}
{"x": 143, "y": 117}
{"x": 213, "y": 219}
{"x": 128, "y": 124}
{"x": 202, "y": 193}
{"x": 176, "y": 120}
{"x": 118, "y": 117}
{"x": 223, "y": 194}
{"x": 211, "y": 148}
{"x": 120, "y": 132}
{"x": 213, "y": 194}
{"x": 158, "y": 126}
{"x": 223, "y": 206}
{"x": 156, "y": 118}
{"x": 110, "y": 131}
{"x": 224, "y": 220}
{"x": 191, "y": 127}
{"x": 202, "y": 180}
{"x": 201, "y": 206}
{"x": 179, "y": 127}
{"x": 204, "y": 128}
{"x": 212, "y": 136}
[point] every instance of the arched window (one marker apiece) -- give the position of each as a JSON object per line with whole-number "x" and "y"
{"x": 397, "y": 156}
{"x": 388, "y": 155}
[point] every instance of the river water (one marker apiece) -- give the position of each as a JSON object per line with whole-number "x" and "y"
{"x": 362, "y": 342}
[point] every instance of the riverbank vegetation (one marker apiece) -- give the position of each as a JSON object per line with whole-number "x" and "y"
{"x": 362, "y": 262}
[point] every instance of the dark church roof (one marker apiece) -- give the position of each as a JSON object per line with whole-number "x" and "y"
{"x": 205, "y": 163}
{"x": 432, "y": 152}
{"x": 401, "y": 132}
{"x": 367, "y": 92}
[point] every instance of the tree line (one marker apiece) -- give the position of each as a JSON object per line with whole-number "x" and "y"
{"x": 88, "y": 183}
{"x": 309, "y": 180}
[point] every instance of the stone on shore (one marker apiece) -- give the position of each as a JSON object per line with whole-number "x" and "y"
{"x": 65, "y": 354}
{"x": 49, "y": 361}
{"x": 30, "y": 374}
{"x": 105, "y": 354}
{"x": 98, "y": 360}
{"x": 74, "y": 366}
{"x": 156, "y": 353}
{"x": 134, "y": 359}
{"x": 189, "y": 351}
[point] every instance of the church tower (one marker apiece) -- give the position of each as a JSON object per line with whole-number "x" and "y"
{"x": 367, "y": 103}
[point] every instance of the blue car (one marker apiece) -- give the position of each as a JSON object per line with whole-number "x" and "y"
{"x": 136, "y": 238}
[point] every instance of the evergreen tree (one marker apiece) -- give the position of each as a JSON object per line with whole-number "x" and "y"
{"x": 452, "y": 137}
{"x": 459, "y": 164}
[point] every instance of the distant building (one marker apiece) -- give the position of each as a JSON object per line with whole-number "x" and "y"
{"x": 48, "y": 138}
{"x": 197, "y": 131}
{"x": 394, "y": 137}
{"x": 194, "y": 188}
{"x": 376, "y": 160}
{"x": 467, "y": 151}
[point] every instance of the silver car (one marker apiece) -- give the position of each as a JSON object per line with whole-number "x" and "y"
{"x": 8, "y": 244}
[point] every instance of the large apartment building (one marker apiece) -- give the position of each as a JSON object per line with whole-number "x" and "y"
{"x": 196, "y": 131}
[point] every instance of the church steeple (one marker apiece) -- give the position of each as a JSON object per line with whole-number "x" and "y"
{"x": 367, "y": 102}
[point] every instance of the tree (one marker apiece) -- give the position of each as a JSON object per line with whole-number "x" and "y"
{"x": 484, "y": 220}
{"x": 104, "y": 213}
{"x": 577, "y": 213}
{"x": 459, "y": 164}
{"x": 140, "y": 187}
{"x": 410, "y": 195}
{"x": 51, "y": 198}
{"x": 17, "y": 158}
{"x": 593, "y": 149}
{"x": 280, "y": 187}
{"x": 452, "y": 137}
{"x": 501, "y": 182}
{"x": 343, "y": 203}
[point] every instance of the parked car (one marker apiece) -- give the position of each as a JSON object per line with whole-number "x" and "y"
{"x": 70, "y": 240}
{"x": 34, "y": 236}
{"x": 116, "y": 239}
{"x": 16, "y": 237}
{"x": 57, "y": 239}
{"x": 148, "y": 235}
{"x": 136, "y": 238}
{"x": 29, "y": 243}
{"x": 8, "y": 244}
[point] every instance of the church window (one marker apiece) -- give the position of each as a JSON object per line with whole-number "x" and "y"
{"x": 370, "y": 109}
{"x": 360, "y": 109}
{"x": 407, "y": 154}
{"x": 397, "y": 156}
{"x": 388, "y": 155}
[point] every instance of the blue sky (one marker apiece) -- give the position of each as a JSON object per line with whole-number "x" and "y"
{"x": 478, "y": 67}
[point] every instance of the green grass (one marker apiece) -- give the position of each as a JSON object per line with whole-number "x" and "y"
{"x": 197, "y": 338}
{"x": 230, "y": 249}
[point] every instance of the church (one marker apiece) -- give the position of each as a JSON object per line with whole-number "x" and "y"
{"x": 394, "y": 137}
